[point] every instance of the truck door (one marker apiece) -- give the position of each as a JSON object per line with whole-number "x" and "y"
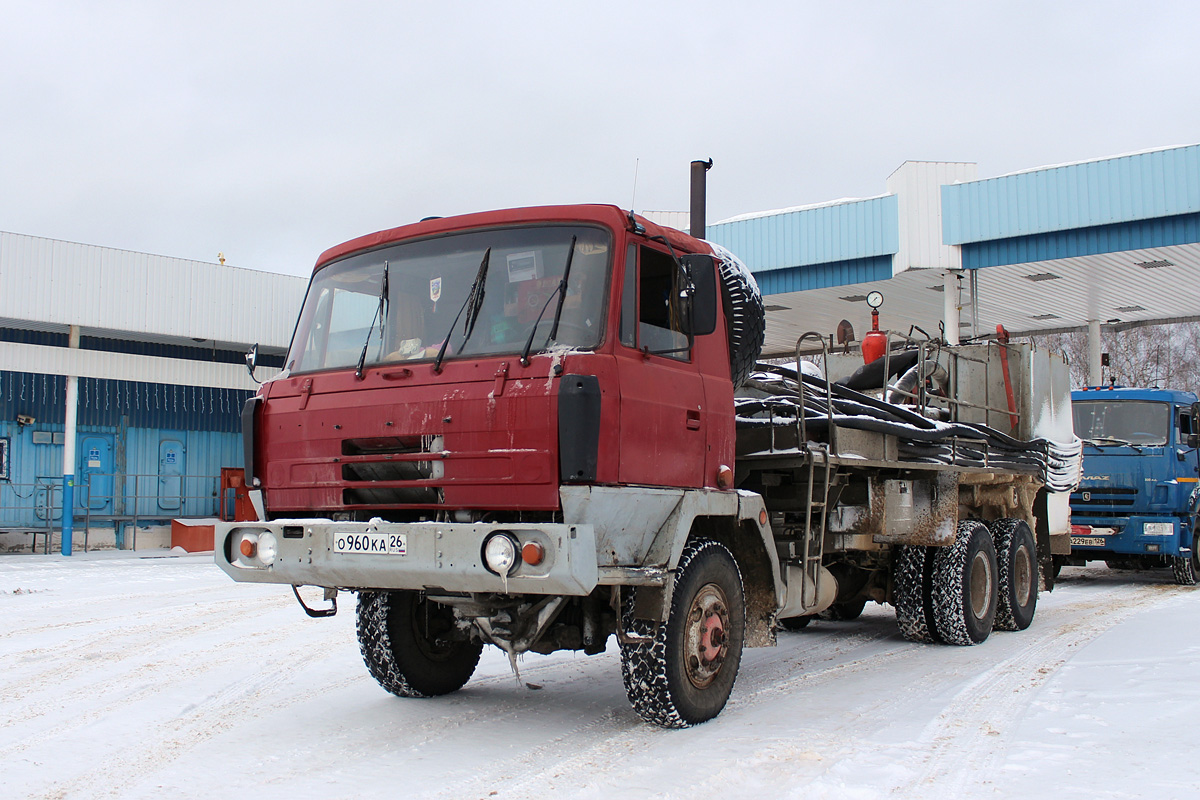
{"x": 1189, "y": 456}
{"x": 663, "y": 415}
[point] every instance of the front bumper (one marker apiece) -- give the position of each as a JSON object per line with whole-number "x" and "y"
{"x": 436, "y": 556}
{"x": 1095, "y": 537}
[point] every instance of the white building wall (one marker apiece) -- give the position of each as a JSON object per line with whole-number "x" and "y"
{"x": 42, "y": 359}
{"x": 917, "y": 186}
{"x": 53, "y": 284}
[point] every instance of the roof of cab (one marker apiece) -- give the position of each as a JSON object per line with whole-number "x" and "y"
{"x": 608, "y": 215}
{"x": 1130, "y": 393}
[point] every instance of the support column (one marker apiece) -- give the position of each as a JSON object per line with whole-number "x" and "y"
{"x": 1095, "y": 376}
{"x": 950, "y": 306}
{"x": 68, "y": 493}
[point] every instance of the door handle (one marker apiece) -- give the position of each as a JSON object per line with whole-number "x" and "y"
{"x": 693, "y": 419}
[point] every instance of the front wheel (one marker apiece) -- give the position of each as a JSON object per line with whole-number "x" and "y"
{"x": 681, "y": 672}
{"x": 1187, "y": 567}
{"x": 412, "y": 645}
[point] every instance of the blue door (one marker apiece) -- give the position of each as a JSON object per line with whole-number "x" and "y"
{"x": 94, "y": 481}
{"x": 171, "y": 455}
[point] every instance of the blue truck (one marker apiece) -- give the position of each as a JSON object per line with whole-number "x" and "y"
{"x": 1137, "y": 503}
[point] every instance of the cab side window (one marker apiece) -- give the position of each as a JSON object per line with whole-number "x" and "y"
{"x": 656, "y": 307}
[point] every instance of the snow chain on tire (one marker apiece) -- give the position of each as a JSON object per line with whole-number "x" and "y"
{"x": 912, "y": 593}
{"x": 652, "y": 661}
{"x": 394, "y": 657}
{"x": 1017, "y": 574}
{"x": 964, "y": 586}
{"x": 1187, "y": 568}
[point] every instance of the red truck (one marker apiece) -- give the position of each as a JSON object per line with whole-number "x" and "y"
{"x": 543, "y": 428}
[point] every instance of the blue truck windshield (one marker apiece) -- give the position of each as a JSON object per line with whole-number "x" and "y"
{"x": 1107, "y": 422}
{"x": 427, "y": 284}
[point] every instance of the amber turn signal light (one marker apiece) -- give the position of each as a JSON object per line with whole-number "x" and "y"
{"x": 533, "y": 553}
{"x": 724, "y": 477}
{"x": 247, "y": 547}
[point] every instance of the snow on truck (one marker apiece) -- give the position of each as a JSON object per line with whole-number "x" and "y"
{"x": 545, "y": 428}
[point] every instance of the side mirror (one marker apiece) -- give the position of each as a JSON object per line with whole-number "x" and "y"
{"x": 701, "y": 271}
{"x": 252, "y": 360}
{"x": 1193, "y": 439}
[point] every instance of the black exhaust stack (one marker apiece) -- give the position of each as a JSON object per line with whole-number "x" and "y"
{"x": 697, "y": 223}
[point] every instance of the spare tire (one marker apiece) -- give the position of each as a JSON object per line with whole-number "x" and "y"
{"x": 745, "y": 318}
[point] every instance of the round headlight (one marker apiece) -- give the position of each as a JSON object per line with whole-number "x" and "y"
{"x": 500, "y": 553}
{"x": 268, "y": 548}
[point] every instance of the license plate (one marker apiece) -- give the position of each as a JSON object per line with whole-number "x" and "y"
{"x": 1087, "y": 541}
{"x": 381, "y": 544}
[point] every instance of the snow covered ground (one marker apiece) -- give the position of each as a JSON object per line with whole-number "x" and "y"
{"x": 146, "y": 677}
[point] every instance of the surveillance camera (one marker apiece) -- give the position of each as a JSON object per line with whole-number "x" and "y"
{"x": 25, "y": 419}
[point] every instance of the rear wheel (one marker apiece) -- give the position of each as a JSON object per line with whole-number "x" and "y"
{"x": 964, "y": 586}
{"x": 412, "y": 645}
{"x": 911, "y": 594}
{"x": 681, "y": 672}
{"x": 1187, "y": 567}
{"x": 1017, "y": 574}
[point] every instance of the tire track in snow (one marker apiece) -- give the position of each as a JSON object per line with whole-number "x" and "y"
{"x": 958, "y": 747}
{"x": 228, "y": 707}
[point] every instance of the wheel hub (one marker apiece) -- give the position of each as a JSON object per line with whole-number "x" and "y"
{"x": 1022, "y": 578}
{"x": 981, "y": 585}
{"x": 706, "y": 637}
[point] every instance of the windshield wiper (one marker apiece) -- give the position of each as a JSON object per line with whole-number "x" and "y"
{"x": 471, "y": 305}
{"x": 381, "y": 316}
{"x": 562, "y": 295}
{"x": 1112, "y": 441}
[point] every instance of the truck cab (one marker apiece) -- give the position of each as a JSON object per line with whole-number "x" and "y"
{"x": 1137, "y": 502}
{"x": 440, "y": 370}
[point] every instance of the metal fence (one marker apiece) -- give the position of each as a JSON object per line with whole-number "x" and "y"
{"x": 110, "y": 500}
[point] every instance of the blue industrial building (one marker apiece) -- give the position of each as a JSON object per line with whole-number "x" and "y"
{"x": 1108, "y": 242}
{"x": 155, "y": 349}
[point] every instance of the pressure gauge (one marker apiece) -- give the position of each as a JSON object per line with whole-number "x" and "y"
{"x": 875, "y": 299}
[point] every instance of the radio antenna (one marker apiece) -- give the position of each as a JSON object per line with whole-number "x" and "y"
{"x": 633, "y": 202}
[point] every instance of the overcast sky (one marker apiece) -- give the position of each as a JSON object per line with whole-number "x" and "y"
{"x": 271, "y": 131}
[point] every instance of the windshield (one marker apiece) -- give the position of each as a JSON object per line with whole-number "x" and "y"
{"x": 1122, "y": 422}
{"x": 429, "y": 281}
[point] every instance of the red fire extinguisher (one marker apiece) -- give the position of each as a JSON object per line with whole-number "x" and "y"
{"x": 874, "y": 344}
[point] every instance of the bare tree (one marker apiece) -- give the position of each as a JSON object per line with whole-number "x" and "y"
{"x": 1164, "y": 356}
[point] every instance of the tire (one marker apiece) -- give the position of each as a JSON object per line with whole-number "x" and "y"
{"x": 682, "y": 672}
{"x": 1187, "y": 568}
{"x": 795, "y": 623}
{"x": 744, "y": 314}
{"x": 411, "y": 646}
{"x": 911, "y": 594}
{"x": 844, "y": 612}
{"x": 1017, "y": 574}
{"x": 964, "y": 592}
